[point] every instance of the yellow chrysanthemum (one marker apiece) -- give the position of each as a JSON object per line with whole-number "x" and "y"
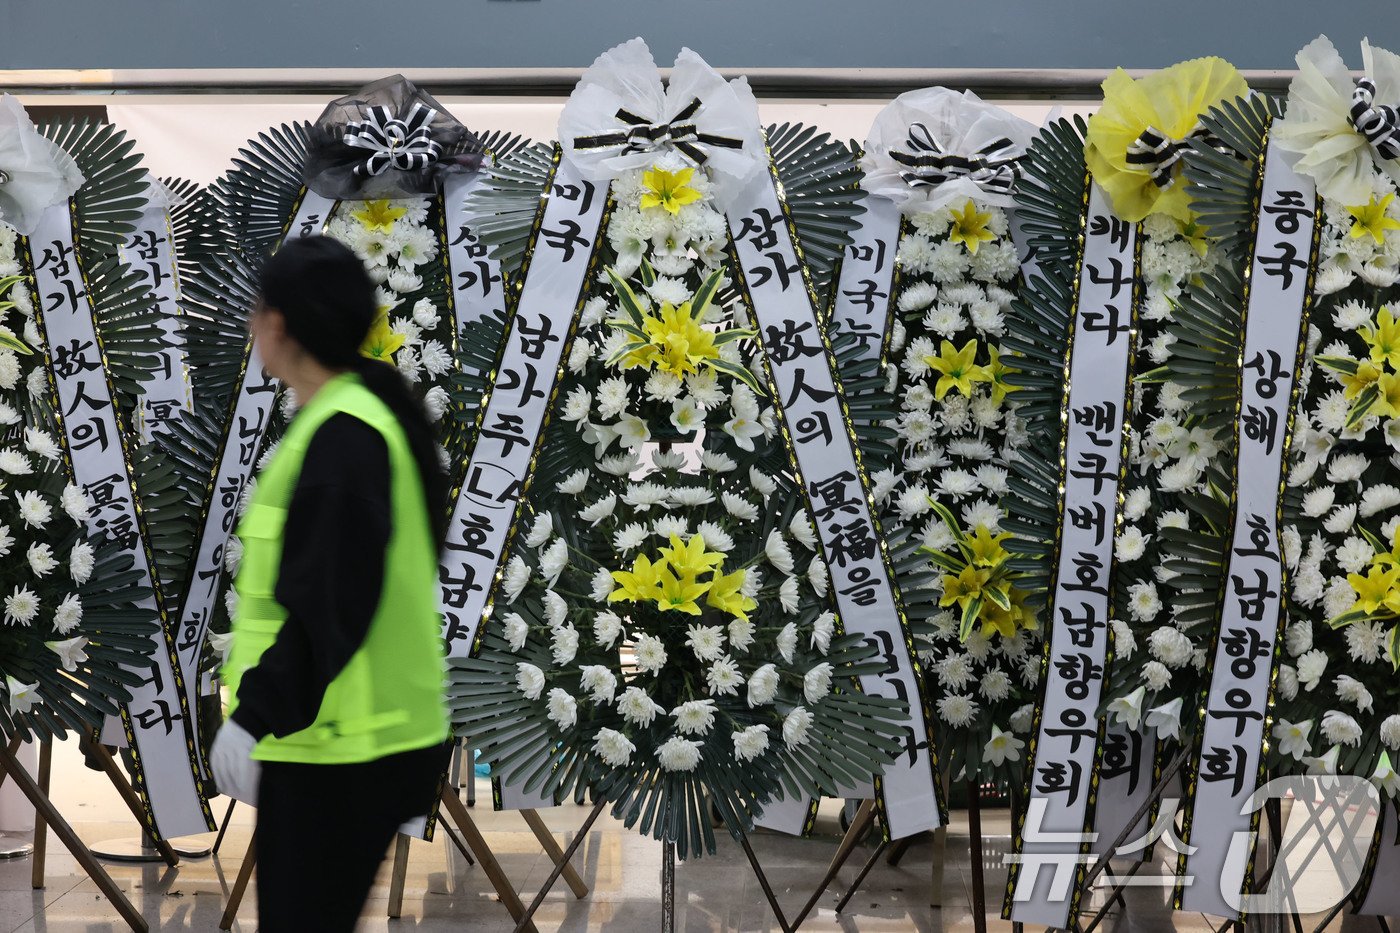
{"x": 669, "y": 191}
{"x": 1167, "y": 104}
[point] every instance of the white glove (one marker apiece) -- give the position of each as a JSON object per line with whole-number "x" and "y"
{"x": 231, "y": 760}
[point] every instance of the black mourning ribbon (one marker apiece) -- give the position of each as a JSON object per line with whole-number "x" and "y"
{"x": 641, "y": 135}
{"x": 1158, "y": 152}
{"x": 1380, "y": 124}
{"x": 993, "y": 168}
{"x": 389, "y": 140}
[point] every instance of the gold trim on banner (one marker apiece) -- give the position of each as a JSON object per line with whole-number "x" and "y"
{"x": 138, "y": 773}
{"x": 1191, "y": 777}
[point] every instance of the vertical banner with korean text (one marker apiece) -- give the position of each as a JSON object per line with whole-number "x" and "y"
{"x": 863, "y": 303}
{"x": 157, "y": 723}
{"x": 478, "y": 288}
{"x": 150, "y": 253}
{"x": 559, "y": 262}
{"x": 807, "y": 395}
{"x": 1049, "y": 850}
{"x": 249, "y": 414}
{"x": 1218, "y": 820}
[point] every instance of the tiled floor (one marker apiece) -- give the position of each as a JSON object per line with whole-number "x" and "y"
{"x": 621, "y": 869}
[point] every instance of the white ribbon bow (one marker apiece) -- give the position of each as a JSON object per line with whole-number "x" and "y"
{"x": 1159, "y": 153}
{"x": 1379, "y": 123}
{"x": 35, "y": 173}
{"x": 935, "y": 148}
{"x": 405, "y": 145}
{"x": 621, "y": 117}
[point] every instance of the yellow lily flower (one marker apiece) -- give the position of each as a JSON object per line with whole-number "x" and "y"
{"x": 378, "y": 215}
{"x": 1366, "y": 373}
{"x": 965, "y": 587}
{"x": 678, "y": 593}
{"x": 724, "y": 595}
{"x": 1195, "y": 234}
{"x": 997, "y": 621}
{"x": 640, "y": 584}
{"x": 970, "y": 227}
{"x": 670, "y": 191}
{"x": 1383, "y": 339}
{"x": 1371, "y": 219}
{"x": 679, "y": 344}
{"x": 1388, "y": 405}
{"x": 1165, "y": 105}
{"x": 996, "y": 371}
{"x": 986, "y": 547}
{"x": 956, "y": 368}
{"x": 690, "y": 559}
{"x": 381, "y": 343}
{"x": 1376, "y": 589}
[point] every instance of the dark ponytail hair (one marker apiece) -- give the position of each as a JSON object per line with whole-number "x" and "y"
{"x": 327, "y": 300}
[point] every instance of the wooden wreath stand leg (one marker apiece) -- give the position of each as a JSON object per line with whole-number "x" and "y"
{"x": 240, "y": 885}
{"x": 400, "y": 872}
{"x": 51, "y": 819}
{"x": 477, "y": 843}
{"x": 526, "y": 921}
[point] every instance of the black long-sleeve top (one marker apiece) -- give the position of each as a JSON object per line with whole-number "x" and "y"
{"x": 330, "y": 578}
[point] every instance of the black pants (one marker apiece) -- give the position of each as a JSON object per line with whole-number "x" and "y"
{"x": 323, "y": 830}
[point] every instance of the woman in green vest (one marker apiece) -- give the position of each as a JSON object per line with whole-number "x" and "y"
{"x": 338, "y": 722}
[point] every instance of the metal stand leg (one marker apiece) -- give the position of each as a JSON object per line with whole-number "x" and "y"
{"x": 526, "y": 921}
{"x": 897, "y": 851}
{"x": 43, "y": 806}
{"x": 223, "y": 826}
{"x": 41, "y": 827}
{"x": 240, "y": 886}
{"x": 668, "y": 887}
{"x": 400, "y": 875}
{"x": 477, "y": 843}
{"x": 556, "y": 855}
{"x": 859, "y": 827}
{"x": 860, "y": 878}
{"x": 763, "y": 883}
{"x": 974, "y": 832}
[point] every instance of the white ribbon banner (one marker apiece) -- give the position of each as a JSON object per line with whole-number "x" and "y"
{"x": 252, "y": 410}
{"x": 1252, "y": 616}
{"x": 1126, "y": 774}
{"x": 1050, "y": 851}
{"x": 499, "y": 466}
{"x": 803, "y": 374}
{"x": 864, "y": 299}
{"x": 478, "y": 287}
{"x": 157, "y": 719}
{"x": 150, "y": 253}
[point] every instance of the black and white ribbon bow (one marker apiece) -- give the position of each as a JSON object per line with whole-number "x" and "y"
{"x": 1160, "y": 153}
{"x": 1380, "y": 124}
{"x": 406, "y": 145}
{"x": 641, "y": 135}
{"x": 992, "y": 168}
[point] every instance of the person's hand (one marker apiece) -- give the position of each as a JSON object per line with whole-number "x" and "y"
{"x": 231, "y": 760}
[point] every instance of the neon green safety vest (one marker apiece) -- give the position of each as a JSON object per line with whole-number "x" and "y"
{"x": 389, "y": 698}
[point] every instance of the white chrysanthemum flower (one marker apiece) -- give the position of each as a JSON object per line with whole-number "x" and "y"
{"x": 717, "y": 462}
{"x": 1353, "y": 691}
{"x": 631, "y": 537}
{"x": 1170, "y": 646}
{"x": 562, "y": 708}
{"x": 694, "y": 717}
{"x": 705, "y": 641}
{"x": 796, "y": 724}
{"x": 778, "y": 552}
{"x": 715, "y": 537}
{"x": 724, "y": 678}
{"x": 601, "y": 585}
{"x": 789, "y": 596}
{"x": 1287, "y": 682}
{"x": 599, "y": 681}
{"x": 21, "y": 606}
{"x": 553, "y": 560}
{"x": 515, "y": 630}
{"x": 1311, "y": 667}
{"x": 41, "y": 444}
{"x": 1124, "y": 641}
{"x": 613, "y": 748}
{"x": 954, "y": 671}
{"x": 1390, "y": 732}
{"x": 574, "y": 483}
{"x": 33, "y": 509}
{"x": 68, "y": 615}
{"x": 15, "y": 463}
{"x": 577, "y": 406}
{"x": 816, "y": 683}
{"x": 564, "y": 644}
{"x": 1175, "y": 518}
{"x": 1143, "y": 602}
{"x": 678, "y": 754}
{"x": 917, "y": 297}
{"x": 763, "y": 685}
{"x": 1347, "y": 468}
{"x": 1298, "y": 637}
{"x": 763, "y": 484}
{"x": 739, "y": 507}
{"x": 671, "y": 526}
{"x": 995, "y": 686}
{"x": 1340, "y": 729}
{"x": 741, "y": 634}
{"x": 1366, "y": 640}
{"x": 599, "y": 510}
{"x": 517, "y": 575}
{"x": 787, "y": 641}
{"x": 41, "y": 559}
{"x": 650, "y": 654}
{"x": 957, "y": 710}
{"x": 823, "y": 626}
{"x": 750, "y": 743}
{"x": 529, "y": 679}
{"x": 691, "y": 497}
{"x": 1354, "y": 554}
{"x": 637, "y": 707}
{"x": 1130, "y": 544}
{"x": 1023, "y": 719}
